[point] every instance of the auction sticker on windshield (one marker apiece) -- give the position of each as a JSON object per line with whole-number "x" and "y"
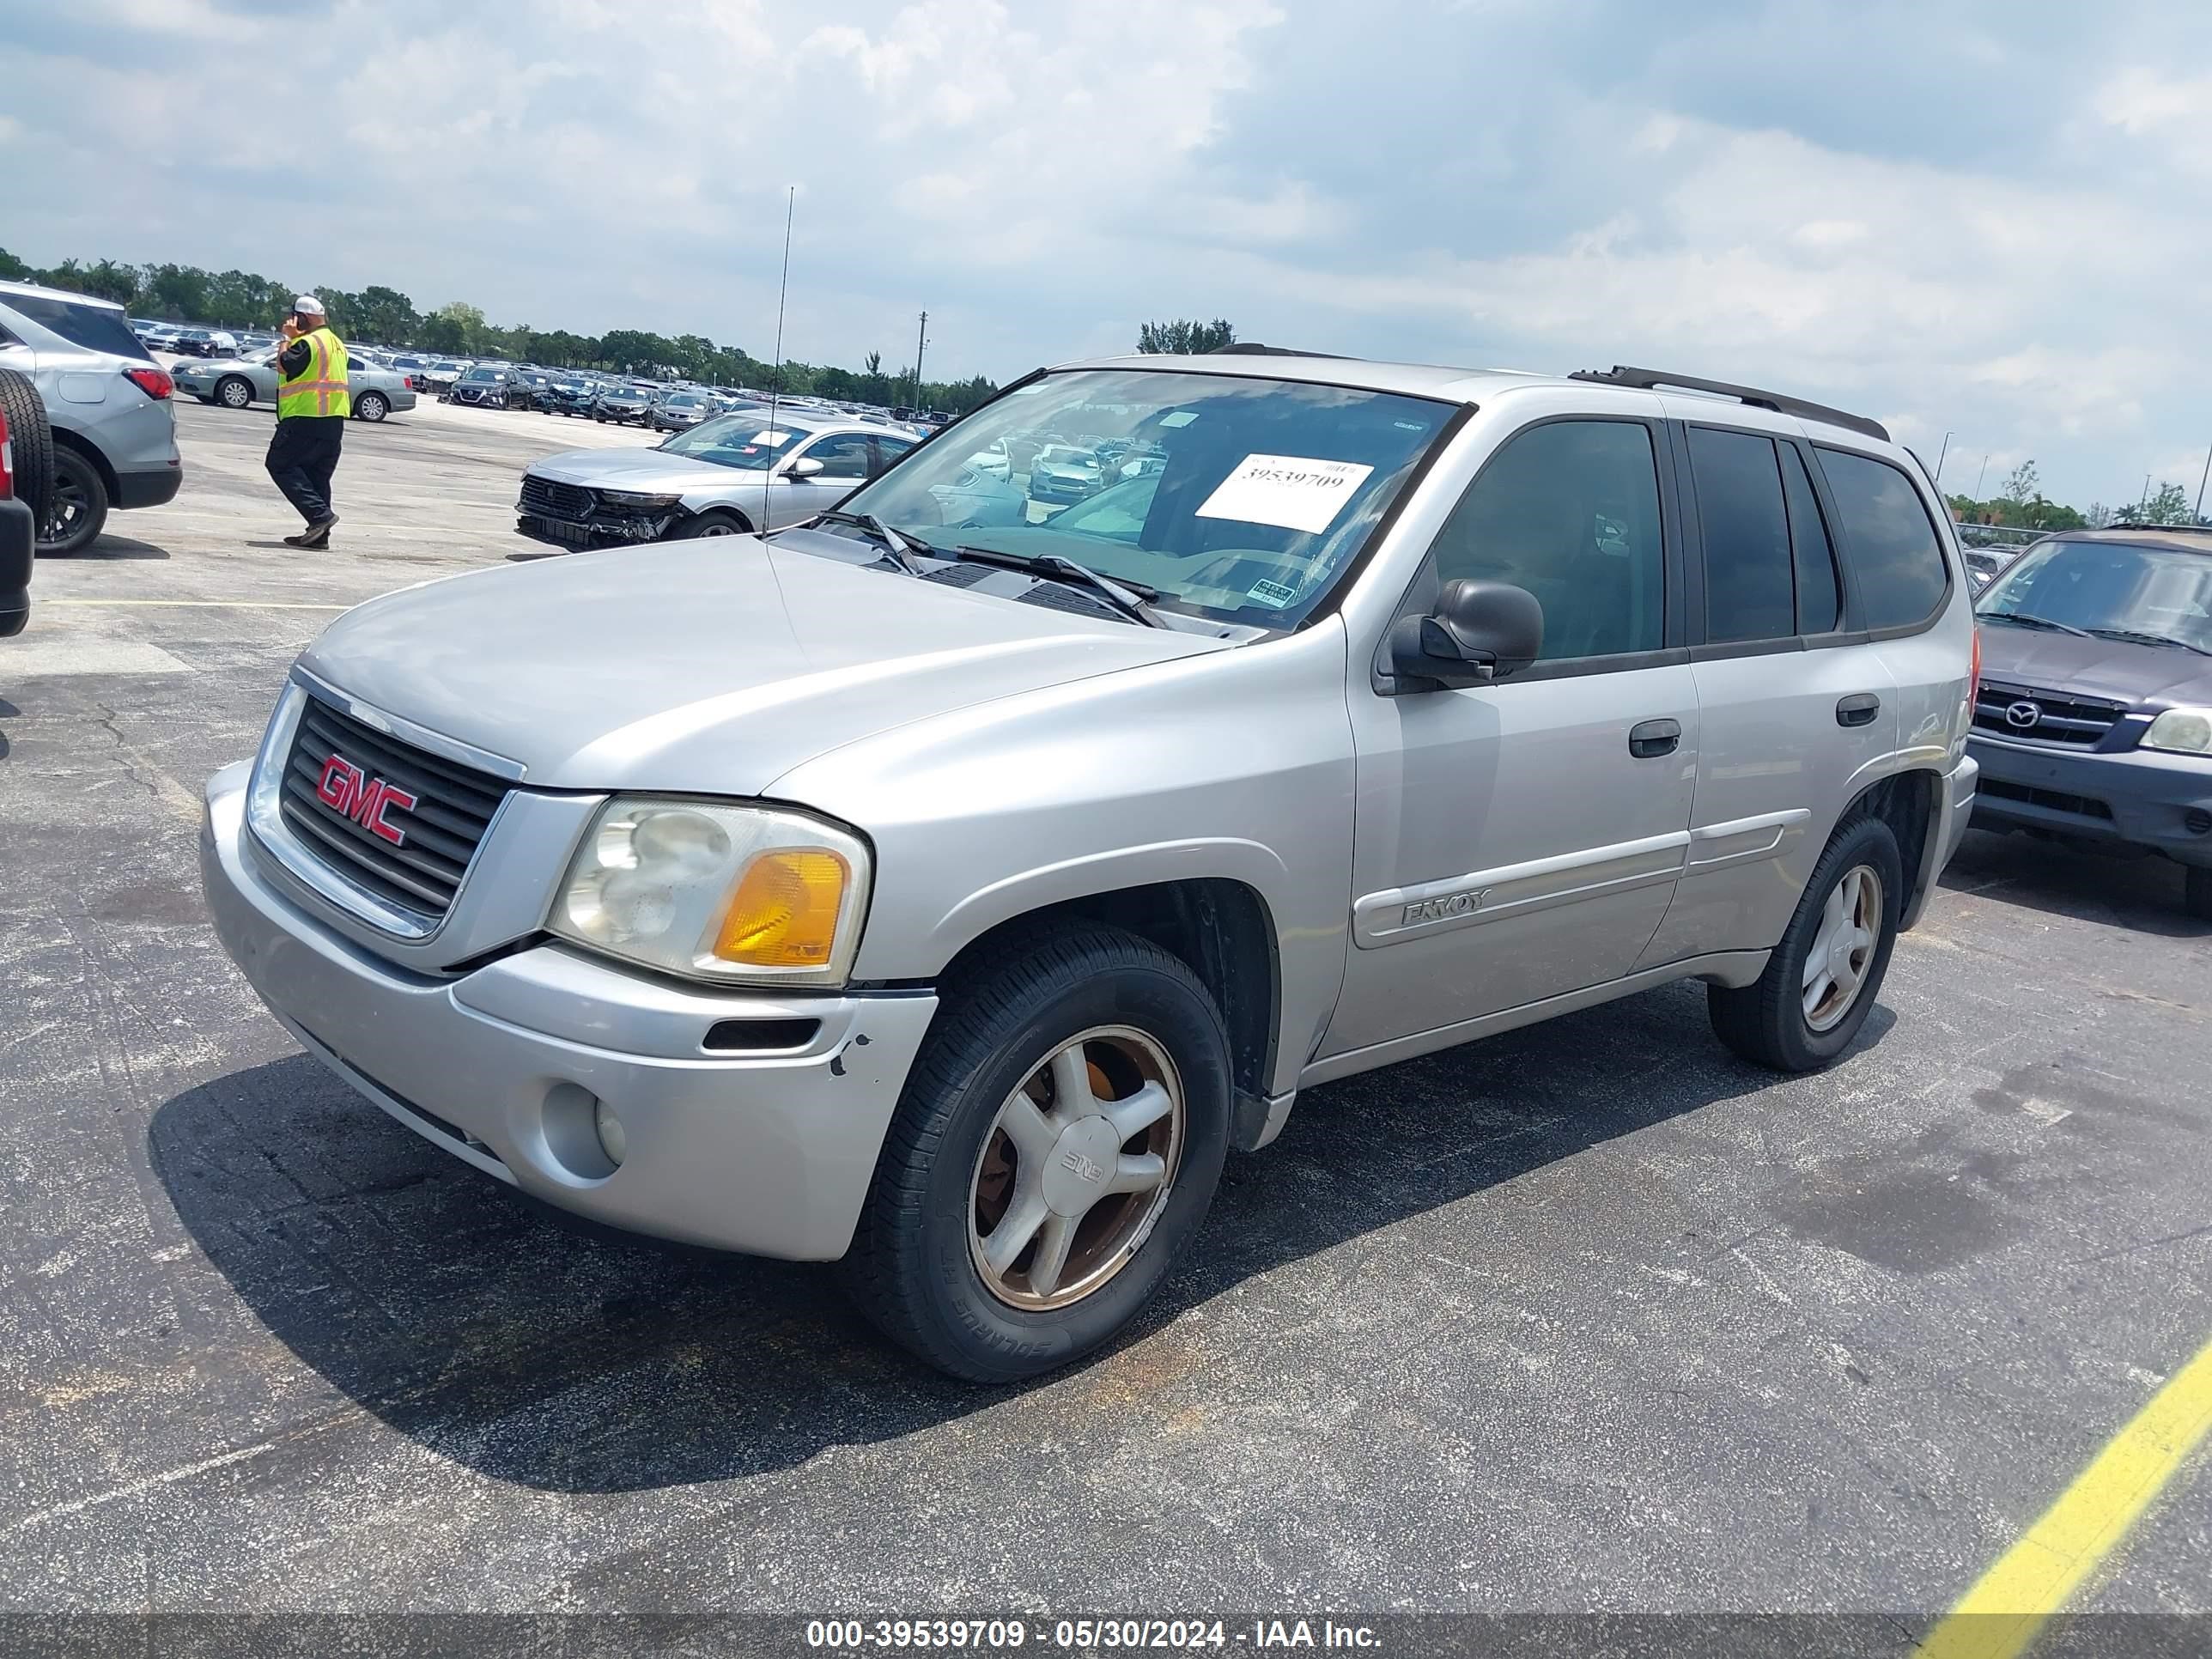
{"x": 1288, "y": 491}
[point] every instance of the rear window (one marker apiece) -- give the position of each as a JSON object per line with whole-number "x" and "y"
{"x": 96, "y": 328}
{"x": 1895, "y": 556}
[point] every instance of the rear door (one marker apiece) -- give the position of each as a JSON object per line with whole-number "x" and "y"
{"x": 1797, "y": 710}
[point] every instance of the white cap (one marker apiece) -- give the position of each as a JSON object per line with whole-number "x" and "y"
{"x": 308, "y": 304}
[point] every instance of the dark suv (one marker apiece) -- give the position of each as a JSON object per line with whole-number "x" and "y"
{"x": 2093, "y": 721}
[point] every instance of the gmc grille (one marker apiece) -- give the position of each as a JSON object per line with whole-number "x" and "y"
{"x": 2061, "y": 717}
{"x": 438, "y": 834}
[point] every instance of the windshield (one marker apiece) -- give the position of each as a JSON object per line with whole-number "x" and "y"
{"x": 739, "y": 441}
{"x": 2108, "y": 587}
{"x": 1260, "y": 494}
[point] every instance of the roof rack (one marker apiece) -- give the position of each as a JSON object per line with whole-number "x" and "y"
{"x": 1254, "y": 348}
{"x": 1650, "y": 379}
{"x": 2176, "y": 529}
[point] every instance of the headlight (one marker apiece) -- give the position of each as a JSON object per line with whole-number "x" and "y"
{"x": 632, "y": 498}
{"x": 2182, "y": 731}
{"x": 745, "y": 894}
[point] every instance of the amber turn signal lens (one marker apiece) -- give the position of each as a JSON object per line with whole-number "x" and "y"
{"x": 784, "y": 914}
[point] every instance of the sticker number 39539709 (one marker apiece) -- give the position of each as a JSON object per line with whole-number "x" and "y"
{"x": 1288, "y": 491}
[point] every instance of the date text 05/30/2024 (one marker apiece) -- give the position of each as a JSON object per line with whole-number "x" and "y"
{"x": 990, "y": 1634}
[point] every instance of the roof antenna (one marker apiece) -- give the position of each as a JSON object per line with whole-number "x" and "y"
{"x": 776, "y": 381}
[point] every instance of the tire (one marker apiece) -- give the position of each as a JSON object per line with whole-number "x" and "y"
{"x": 32, "y": 438}
{"x": 918, "y": 1264}
{"x": 79, "y": 512}
{"x": 235, "y": 392}
{"x": 1770, "y": 1022}
{"x": 371, "y": 406}
{"x": 2197, "y": 892}
{"x": 713, "y": 522}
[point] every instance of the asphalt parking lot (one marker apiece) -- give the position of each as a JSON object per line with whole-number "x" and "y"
{"x": 1590, "y": 1315}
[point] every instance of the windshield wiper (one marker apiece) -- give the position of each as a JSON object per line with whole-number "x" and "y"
{"x": 2139, "y": 637}
{"x": 2020, "y": 618}
{"x": 1128, "y": 598}
{"x": 898, "y": 546}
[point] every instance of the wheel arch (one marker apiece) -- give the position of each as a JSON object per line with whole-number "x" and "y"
{"x": 1908, "y": 802}
{"x": 1222, "y": 927}
{"x": 70, "y": 438}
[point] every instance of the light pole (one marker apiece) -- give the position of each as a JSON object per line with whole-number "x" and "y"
{"x": 2198, "y": 514}
{"x": 1940, "y": 454}
{"x": 1978, "y": 476}
{"x": 920, "y": 339}
{"x": 2145, "y": 502}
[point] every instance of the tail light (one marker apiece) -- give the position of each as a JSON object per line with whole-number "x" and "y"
{"x": 7, "y": 459}
{"x": 154, "y": 382}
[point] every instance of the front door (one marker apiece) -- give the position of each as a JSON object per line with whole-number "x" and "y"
{"x": 1521, "y": 838}
{"x": 800, "y": 492}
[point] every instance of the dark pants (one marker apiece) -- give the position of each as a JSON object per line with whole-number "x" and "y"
{"x": 302, "y": 456}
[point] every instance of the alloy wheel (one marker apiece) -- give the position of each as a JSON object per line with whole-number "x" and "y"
{"x": 1843, "y": 949}
{"x": 1076, "y": 1168}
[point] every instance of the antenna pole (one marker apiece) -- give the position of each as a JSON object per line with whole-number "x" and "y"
{"x": 775, "y": 380}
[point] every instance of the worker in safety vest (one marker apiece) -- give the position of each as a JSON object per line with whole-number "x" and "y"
{"x": 311, "y": 407}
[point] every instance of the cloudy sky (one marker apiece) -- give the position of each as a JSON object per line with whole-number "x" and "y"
{"x": 1988, "y": 219}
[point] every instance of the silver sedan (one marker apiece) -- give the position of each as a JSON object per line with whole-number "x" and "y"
{"x": 239, "y": 382}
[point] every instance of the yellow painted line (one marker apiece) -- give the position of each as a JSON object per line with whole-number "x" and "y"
{"x": 200, "y": 604}
{"x": 2001, "y": 1616}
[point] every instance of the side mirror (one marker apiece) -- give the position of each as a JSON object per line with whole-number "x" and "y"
{"x": 804, "y": 467}
{"x": 1477, "y": 631}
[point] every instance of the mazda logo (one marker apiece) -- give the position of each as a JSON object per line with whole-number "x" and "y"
{"x": 2022, "y": 714}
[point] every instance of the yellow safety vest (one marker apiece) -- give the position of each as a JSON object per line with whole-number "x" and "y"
{"x": 320, "y": 388}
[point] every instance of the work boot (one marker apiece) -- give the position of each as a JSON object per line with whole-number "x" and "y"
{"x": 316, "y": 536}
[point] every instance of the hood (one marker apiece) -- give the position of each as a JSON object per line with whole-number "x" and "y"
{"x": 710, "y": 666}
{"x": 642, "y": 468}
{"x": 2113, "y": 669}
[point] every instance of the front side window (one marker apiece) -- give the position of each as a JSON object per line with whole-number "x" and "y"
{"x": 1896, "y": 559}
{"x": 843, "y": 455}
{"x": 1266, "y": 492}
{"x": 1750, "y": 591}
{"x": 1569, "y": 511}
{"x": 2112, "y": 590}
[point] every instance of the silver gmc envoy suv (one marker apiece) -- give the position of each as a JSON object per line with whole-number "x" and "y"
{"x": 947, "y": 885}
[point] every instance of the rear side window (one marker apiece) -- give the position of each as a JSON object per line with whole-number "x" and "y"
{"x": 1895, "y": 556}
{"x": 1749, "y": 587}
{"x": 96, "y": 328}
{"x": 1568, "y": 510}
{"x": 1819, "y": 596}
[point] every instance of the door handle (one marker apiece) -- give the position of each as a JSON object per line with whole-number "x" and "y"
{"x": 1649, "y": 739}
{"x": 1857, "y": 709}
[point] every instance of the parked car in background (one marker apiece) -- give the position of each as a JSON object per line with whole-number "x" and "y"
{"x": 1985, "y": 564}
{"x": 2092, "y": 722}
{"x": 565, "y": 394}
{"x": 993, "y": 460}
{"x": 1062, "y": 473}
{"x": 242, "y": 382}
{"x": 1388, "y": 730}
{"x": 729, "y": 475}
{"x": 26, "y": 459}
{"x": 622, "y": 404}
{"x": 438, "y": 377}
{"x": 680, "y": 410}
{"x": 108, "y": 403}
{"x": 204, "y": 342}
{"x": 489, "y": 385}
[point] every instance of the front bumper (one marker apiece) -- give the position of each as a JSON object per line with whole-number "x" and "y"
{"x": 770, "y": 1154}
{"x": 2136, "y": 797}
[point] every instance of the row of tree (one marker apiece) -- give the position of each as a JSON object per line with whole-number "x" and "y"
{"x": 2020, "y": 504}
{"x": 384, "y": 316}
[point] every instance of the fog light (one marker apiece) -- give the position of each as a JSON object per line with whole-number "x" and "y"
{"x": 2198, "y": 821}
{"x": 612, "y": 1141}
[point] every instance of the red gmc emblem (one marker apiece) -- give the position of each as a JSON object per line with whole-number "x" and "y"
{"x": 351, "y": 792}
